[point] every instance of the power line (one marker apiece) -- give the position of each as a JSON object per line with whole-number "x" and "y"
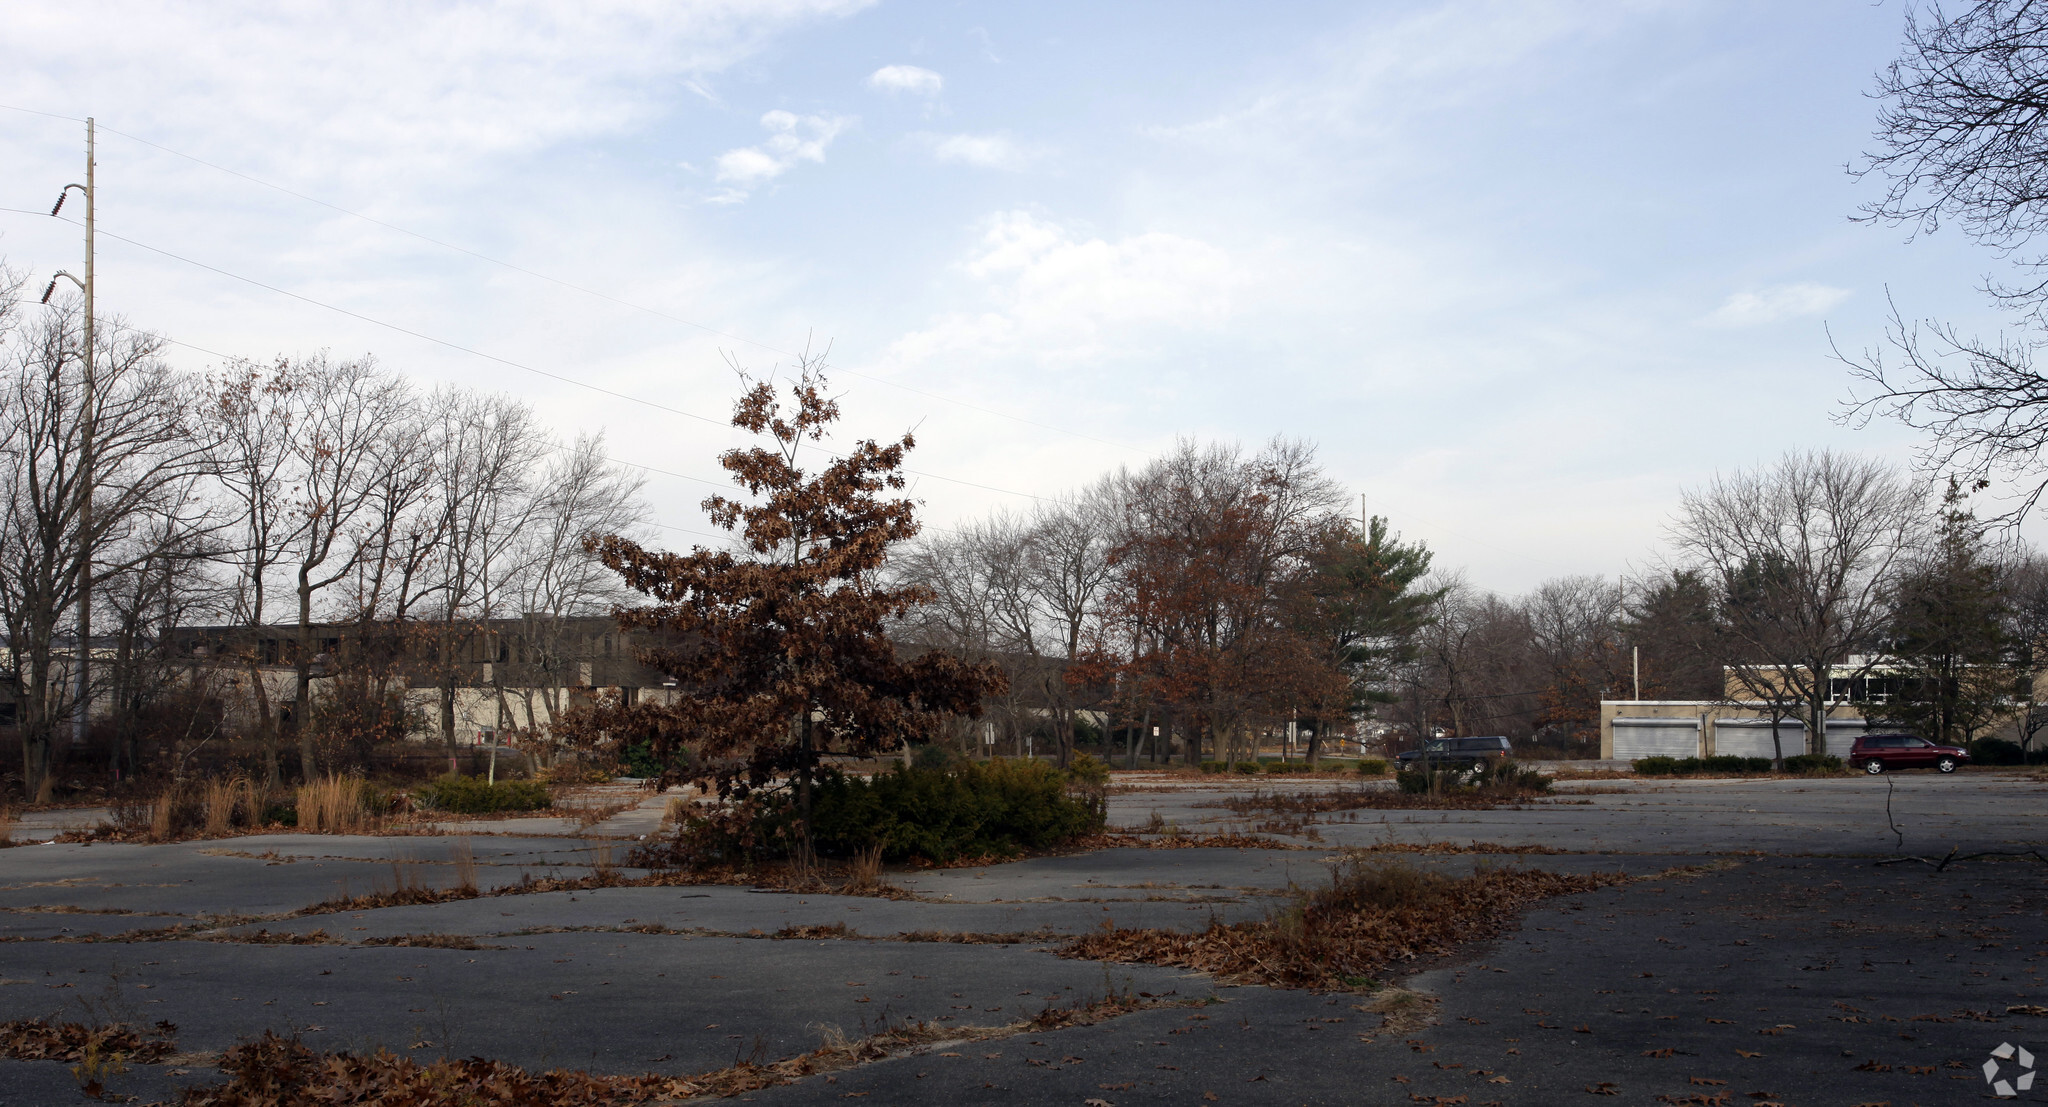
{"x": 571, "y": 285}
{"x": 422, "y": 336}
{"x": 556, "y": 446}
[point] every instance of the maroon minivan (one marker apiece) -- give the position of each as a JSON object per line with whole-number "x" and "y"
{"x": 1876, "y": 753}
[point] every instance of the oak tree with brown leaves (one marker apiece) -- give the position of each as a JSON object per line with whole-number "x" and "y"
{"x": 779, "y": 648}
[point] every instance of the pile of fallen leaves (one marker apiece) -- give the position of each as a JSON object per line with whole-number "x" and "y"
{"x": 1179, "y": 839}
{"x": 273, "y": 1072}
{"x": 283, "y": 1072}
{"x": 41, "y": 1040}
{"x": 1456, "y": 847}
{"x": 1374, "y": 913}
{"x": 1358, "y": 798}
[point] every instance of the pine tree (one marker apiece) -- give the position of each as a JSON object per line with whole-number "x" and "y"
{"x": 1946, "y": 638}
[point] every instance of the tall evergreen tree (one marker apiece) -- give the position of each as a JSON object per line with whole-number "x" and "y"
{"x": 1358, "y": 605}
{"x": 1946, "y": 634}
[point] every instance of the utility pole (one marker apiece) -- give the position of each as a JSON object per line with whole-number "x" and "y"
{"x": 82, "y": 653}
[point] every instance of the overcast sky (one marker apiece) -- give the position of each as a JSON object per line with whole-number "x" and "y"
{"x": 1523, "y": 271}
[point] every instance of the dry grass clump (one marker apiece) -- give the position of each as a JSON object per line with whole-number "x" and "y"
{"x": 464, "y": 856}
{"x": 7, "y": 821}
{"x": 224, "y": 799}
{"x": 41, "y": 1040}
{"x": 1373, "y": 913}
{"x": 332, "y": 805}
{"x": 864, "y": 871}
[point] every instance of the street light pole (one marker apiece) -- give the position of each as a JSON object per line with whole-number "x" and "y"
{"x": 82, "y": 583}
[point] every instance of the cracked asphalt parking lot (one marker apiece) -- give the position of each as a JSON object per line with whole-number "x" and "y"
{"x": 1763, "y": 957}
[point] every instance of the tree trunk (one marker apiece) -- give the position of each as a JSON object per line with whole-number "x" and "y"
{"x": 266, "y": 730}
{"x": 302, "y": 693}
{"x": 803, "y": 792}
{"x": 448, "y": 717}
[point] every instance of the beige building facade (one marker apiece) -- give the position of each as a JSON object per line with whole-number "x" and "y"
{"x": 1635, "y": 729}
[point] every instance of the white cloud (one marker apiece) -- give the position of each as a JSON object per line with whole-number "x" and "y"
{"x": 1058, "y": 298}
{"x": 1769, "y": 305}
{"x": 980, "y": 151}
{"x": 792, "y": 138}
{"x": 913, "y": 79}
{"x": 367, "y": 94}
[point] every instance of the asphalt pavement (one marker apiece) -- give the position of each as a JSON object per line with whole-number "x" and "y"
{"x": 1765, "y": 956}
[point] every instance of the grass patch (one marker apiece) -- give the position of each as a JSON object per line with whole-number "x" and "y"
{"x": 1374, "y": 913}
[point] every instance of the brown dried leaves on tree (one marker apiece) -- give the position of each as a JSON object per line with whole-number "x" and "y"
{"x": 780, "y": 647}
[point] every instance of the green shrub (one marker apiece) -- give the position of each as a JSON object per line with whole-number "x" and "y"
{"x": 1246, "y": 767}
{"x": 1505, "y": 774}
{"x": 1417, "y": 781}
{"x": 1371, "y": 766}
{"x": 1213, "y": 766}
{"x": 468, "y": 795}
{"x": 1284, "y": 766}
{"x": 1995, "y": 751}
{"x": 1656, "y": 766}
{"x": 971, "y": 810}
{"x": 1336, "y": 767}
{"x": 1813, "y": 763}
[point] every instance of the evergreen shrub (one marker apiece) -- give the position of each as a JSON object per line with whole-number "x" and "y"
{"x": 468, "y": 795}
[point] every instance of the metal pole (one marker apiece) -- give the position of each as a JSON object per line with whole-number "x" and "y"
{"x": 1636, "y": 664}
{"x": 85, "y": 468}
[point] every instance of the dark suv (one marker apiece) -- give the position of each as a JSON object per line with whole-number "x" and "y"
{"x": 1456, "y": 753}
{"x": 1876, "y": 753}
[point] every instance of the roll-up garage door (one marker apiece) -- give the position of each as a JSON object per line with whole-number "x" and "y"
{"x": 1842, "y": 734}
{"x": 1638, "y": 738}
{"x": 1752, "y": 737}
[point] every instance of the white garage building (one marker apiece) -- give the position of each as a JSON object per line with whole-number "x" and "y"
{"x": 1634, "y": 729}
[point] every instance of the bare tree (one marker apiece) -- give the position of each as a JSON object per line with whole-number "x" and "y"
{"x": 1961, "y": 133}
{"x": 2025, "y": 587}
{"x": 553, "y": 578}
{"x": 1575, "y": 632}
{"x": 1963, "y": 136}
{"x": 1802, "y": 552}
{"x": 340, "y": 446}
{"x": 144, "y": 459}
{"x": 488, "y": 447}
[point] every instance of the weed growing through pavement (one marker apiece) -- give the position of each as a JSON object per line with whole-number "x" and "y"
{"x": 464, "y": 857}
{"x": 1373, "y": 913}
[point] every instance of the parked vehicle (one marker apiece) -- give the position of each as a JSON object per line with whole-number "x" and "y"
{"x": 1878, "y": 753}
{"x": 1456, "y": 753}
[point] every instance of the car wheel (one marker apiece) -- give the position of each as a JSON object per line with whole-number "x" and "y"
{"x": 1946, "y": 764}
{"x": 1873, "y": 767}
